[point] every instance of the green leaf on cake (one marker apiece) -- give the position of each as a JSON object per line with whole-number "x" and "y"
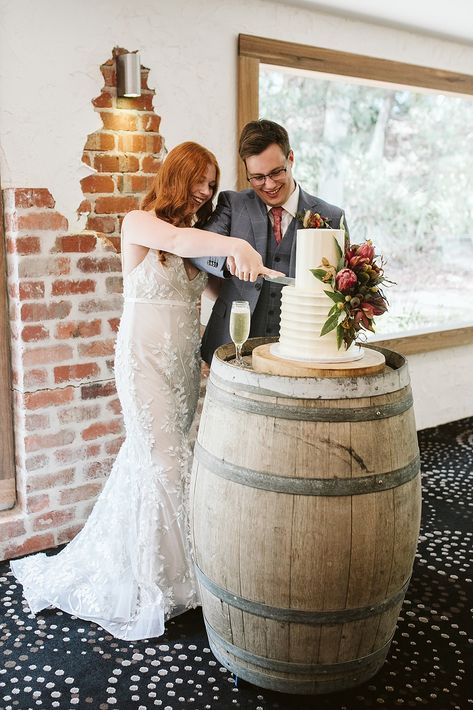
{"x": 338, "y": 250}
{"x": 319, "y": 273}
{"x": 330, "y": 323}
{"x": 339, "y": 336}
{"x": 336, "y": 296}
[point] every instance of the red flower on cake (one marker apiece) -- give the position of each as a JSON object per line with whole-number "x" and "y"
{"x": 356, "y": 281}
{"x": 345, "y": 280}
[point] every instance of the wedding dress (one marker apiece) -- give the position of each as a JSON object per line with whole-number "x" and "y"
{"x": 130, "y": 569}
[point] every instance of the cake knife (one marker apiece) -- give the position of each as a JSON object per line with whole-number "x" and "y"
{"x": 284, "y": 280}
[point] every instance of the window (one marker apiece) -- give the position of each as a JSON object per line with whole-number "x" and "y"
{"x": 398, "y": 159}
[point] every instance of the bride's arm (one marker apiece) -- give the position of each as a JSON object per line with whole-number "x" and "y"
{"x": 145, "y": 229}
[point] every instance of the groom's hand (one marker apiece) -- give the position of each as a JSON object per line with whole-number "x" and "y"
{"x": 231, "y": 265}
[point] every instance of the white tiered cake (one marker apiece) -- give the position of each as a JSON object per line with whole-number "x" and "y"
{"x": 304, "y": 307}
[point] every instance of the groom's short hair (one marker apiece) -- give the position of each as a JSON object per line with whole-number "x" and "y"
{"x": 256, "y": 136}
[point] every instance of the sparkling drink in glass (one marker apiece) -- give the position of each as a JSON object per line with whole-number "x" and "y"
{"x": 240, "y": 327}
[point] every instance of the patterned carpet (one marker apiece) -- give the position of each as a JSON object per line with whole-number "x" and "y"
{"x": 55, "y": 661}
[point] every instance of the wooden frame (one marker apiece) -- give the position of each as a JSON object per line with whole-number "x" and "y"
{"x": 253, "y": 51}
{"x": 7, "y": 463}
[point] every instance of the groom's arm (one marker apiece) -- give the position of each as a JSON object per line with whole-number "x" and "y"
{"x": 219, "y": 223}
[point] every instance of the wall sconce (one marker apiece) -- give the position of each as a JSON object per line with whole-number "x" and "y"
{"x": 129, "y": 74}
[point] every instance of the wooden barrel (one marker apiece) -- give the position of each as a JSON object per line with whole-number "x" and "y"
{"x": 305, "y": 518}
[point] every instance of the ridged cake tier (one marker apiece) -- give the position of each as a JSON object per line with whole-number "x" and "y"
{"x": 303, "y": 314}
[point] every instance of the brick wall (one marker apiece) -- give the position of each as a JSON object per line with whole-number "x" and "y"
{"x": 65, "y": 303}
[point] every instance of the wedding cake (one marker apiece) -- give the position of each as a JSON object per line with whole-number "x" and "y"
{"x": 304, "y": 306}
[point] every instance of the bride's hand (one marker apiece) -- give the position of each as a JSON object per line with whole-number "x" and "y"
{"x": 246, "y": 263}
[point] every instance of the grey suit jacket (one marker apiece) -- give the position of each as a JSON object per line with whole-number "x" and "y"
{"x": 243, "y": 214}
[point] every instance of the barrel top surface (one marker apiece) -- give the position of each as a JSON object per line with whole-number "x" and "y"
{"x": 395, "y": 376}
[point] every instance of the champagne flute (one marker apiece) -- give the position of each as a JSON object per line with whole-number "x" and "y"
{"x": 240, "y": 327}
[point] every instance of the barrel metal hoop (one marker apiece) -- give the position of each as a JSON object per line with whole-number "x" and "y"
{"x": 312, "y": 414}
{"x": 298, "y": 616}
{"x": 306, "y": 486}
{"x": 292, "y": 667}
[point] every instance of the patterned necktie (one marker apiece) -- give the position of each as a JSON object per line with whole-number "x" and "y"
{"x": 277, "y": 217}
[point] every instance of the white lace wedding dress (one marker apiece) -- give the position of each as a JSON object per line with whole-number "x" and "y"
{"x": 130, "y": 569}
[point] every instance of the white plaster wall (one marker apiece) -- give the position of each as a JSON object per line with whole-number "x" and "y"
{"x": 50, "y": 52}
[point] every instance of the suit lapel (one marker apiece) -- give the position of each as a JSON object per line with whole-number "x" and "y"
{"x": 258, "y": 215}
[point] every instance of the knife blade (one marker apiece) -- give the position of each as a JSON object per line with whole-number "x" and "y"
{"x": 284, "y": 280}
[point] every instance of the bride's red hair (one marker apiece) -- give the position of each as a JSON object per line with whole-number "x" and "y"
{"x": 169, "y": 195}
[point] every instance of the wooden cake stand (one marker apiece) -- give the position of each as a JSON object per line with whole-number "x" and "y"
{"x": 265, "y": 362}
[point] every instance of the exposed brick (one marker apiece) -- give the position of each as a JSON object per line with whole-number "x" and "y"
{"x": 132, "y": 143}
{"x": 137, "y": 103}
{"x": 13, "y": 528}
{"x": 133, "y": 183}
{"x": 27, "y": 245}
{"x": 53, "y": 519}
{"x": 150, "y": 122}
{"x": 116, "y": 242}
{"x": 46, "y": 355}
{"x": 69, "y": 533}
{"x": 33, "y": 333}
{"x": 99, "y": 429}
{"x": 98, "y": 469}
{"x": 106, "y": 163}
{"x": 31, "y": 290}
{"x": 77, "y": 243}
{"x": 114, "y": 284}
{"x": 107, "y": 225}
{"x": 89, "y": 264}
{"x": 35, "y": 442}
{"x": 95, "y": 306}
{"x": 33, "y": 197}
{"x": 98, "y": 348}
{"x": 114, "y": 406}
{"x": 42, "y": 221}
{"x": 98, "y": 389}
{"x": 103, "y": 101}
{"x": 31, "y": 267}
{"x": 114, "y": 446}
{"x": 118, "y": 121}
{"x": 100, "y": 141}
{"x": 78, "y": 414}
{"x": 33, "y": 422}
{"x": 33, "y": 463}
{"x": 73, "y": 455}
{"x": 150, "y": 164}
{"x": 86, "y": 205}
{"x": 154, "y": 143}
{"x": 86, "y": 159}
{"x": 47, "y": 481}
{"x": 34, "y": 312}
{"x": 35, "y": 504}
{"x": 32, "y": 544}
{"x": 35, "y": 378}
{"x": 144, "y": 77}
{"x": 78, "y": 329}
{"x": 97, "y": 183}
{"x": 114, "y": 324}
{"x": 85, "y": 492}
{"x": 66, "y": 288}
{"x": 109, "y": 74}
{"x": 49, "y": 398}
{"x": 83, "y": 371}
{"x": 116, "y": 204}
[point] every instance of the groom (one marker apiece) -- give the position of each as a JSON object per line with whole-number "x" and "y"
{"x": 263, "y": 215}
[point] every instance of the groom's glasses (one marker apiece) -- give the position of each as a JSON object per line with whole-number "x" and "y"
{"x": 275, "y": 175}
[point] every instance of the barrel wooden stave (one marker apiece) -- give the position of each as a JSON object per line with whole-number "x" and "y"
{"x": 335, "y": 553}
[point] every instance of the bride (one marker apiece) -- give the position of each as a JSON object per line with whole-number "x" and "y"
{"x": 130, "y": 568}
